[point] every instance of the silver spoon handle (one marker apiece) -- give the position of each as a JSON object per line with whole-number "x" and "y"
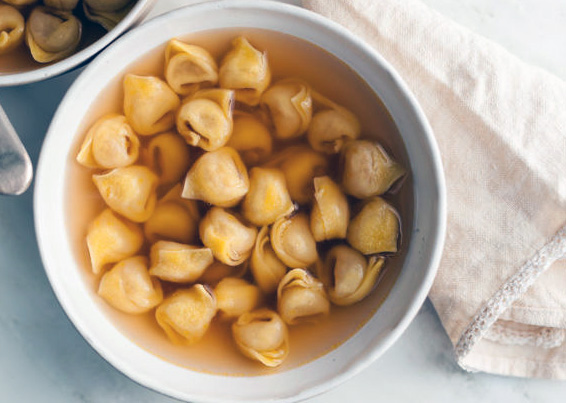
{"x": 16, "y": 170}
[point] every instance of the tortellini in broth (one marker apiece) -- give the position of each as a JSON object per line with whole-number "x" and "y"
{"x": 107, "y": 13}
{"x": 12, "y": 26}
{"x": 220, "y": 209}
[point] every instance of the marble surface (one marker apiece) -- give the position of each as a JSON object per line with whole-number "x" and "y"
{"x": 44, "y": 359}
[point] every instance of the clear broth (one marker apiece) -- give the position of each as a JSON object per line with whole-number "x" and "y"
{"x": 216, "y": 353}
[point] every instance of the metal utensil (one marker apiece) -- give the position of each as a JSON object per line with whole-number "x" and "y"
{"x": 16, "y": 170}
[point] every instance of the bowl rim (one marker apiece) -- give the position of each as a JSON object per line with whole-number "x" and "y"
{"x": 140, "y": 9}
{"x": 436, "y": 234}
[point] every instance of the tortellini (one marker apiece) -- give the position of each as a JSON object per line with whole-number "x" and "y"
{"x": 109, "y": 143}
{"x": 268, "y": 197}
{"x": 110, "y": 239}
{"x": 217, "y": 177}
{"x": 178, "y": 263}
{"x": 130, "y": 191}
{"x": 266, "y": 267}
{"x": 205, "y": 119}
{"x": 173, "y": 219}
{"x": 330, "y": 212}
{"x": 240, "y": 175}
{"x": 235, "y": 296}
{"x": 261, "y": 335}
{"x": 301, "y": 298}
{"x": 293, "y": 241}
{"x": 367, "y": 169}
{"x": 332, "y": 127}
{"x": 347, "y": 275}
{"x": 107, "y": 13}
{"x": 245, "y": 70}
{"x": 230, "y": 240}
{"x": 300, "y": 165}
{"x": 186, "y": 315}
{"x": 12, "y": 26}
{"x": 289, "y": 104}
{"x": 251, "y": 138}
{"x": 189, "y": 67}
{"x": 52, "y": 34}
{"x": 375, "y": 229}
{"x": 129, "y": 288}
{"x": 168, "y": 156}
{"x": 149, "y": 104}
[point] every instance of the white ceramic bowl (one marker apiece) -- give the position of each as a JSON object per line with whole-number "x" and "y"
{"x": 424, "y": 242}
{"x": 137, "y": 13}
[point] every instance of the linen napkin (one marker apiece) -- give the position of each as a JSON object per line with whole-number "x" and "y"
{"x": 500, "y": 125}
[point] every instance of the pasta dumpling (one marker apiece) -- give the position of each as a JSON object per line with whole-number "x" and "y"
{"x": 262, "y": 336}
{"x": 218, "y": 270}
{"x": 292, "y": 241}
{"x": 251, "y": 138}
{"x": 149, "y": 104}
{"x": 266, "y": 267}
{"x": 205, "y": 119}
{"x": 168, "y": 156}
{"x": 12, "y": 26}
{"x": 230, "y": 240}
{"x": 52, "y": 34}
{"x": 110, "y": 239}
{"x": 268, "y": 197}
{"x": 245, "y": 70}
{"x": 186, "y": 315}
{"x": 301, "y": 298}
{"x": 107, "y": 13}
{"x": 109, "y": 143}
{"x": 130, "y": 191}
{"x": 178, "y": 263}
{"x": 189, "y": 67}
{"x": 129, "y": 288}
{"x": 330, "y": 213}
{"x": 217, "y": 177}
{"x": 289, "y": 105}
{"x": 235, "y": 296}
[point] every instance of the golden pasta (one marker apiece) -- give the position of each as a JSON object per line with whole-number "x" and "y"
{"x": 178, "y": 263}
{"x": 12, "y": 26}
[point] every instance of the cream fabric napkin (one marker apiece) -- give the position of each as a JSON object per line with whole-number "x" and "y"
{"x": 501, "y": 128}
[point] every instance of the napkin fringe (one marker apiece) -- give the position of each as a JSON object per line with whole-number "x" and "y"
{"x": 510, "y": 291}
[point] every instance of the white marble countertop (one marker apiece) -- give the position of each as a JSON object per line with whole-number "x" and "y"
{"x": 44, "y": 359}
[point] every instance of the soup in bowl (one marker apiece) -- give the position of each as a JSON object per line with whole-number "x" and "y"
{"x": 325, "y": 332}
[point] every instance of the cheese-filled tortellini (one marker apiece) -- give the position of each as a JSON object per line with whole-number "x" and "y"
{"x": 110, "y": 239}
{"x": 251, "y": 138}
{"x": 109, "y": 143}
{"x": 375, "y": 229}
{"x": 168, "y": 156}
{"x": 266, "y": 267}
{"x": 205, "y": 119}
{"x": 332, "y": 126}
{"x": 231, "y": 241}
{"x": 173, "y": 219}
{"x": 129, "y": 191}
{"x": 217, "y": 177}
{"x": 186, "y": 315}
{"x": 107, "y": 13}
{"x": 189, "y": 67}
{"x": 268, "y": 197}
{"x": 293, "y": 242}
{"x": 177, "y": 262}
{"x": 262, "y": 336}
{"x": 128, "y": 287}
{"x": 289, "y": 105}
{"x": 149, "y": 104}
{"x": 330, "y": 212}
{"x": 301, "y": 298}
{"x": 348, "y": 276}
{"x": 235, "y": 296}
{"x": 300, "y": 165}
{"x": 245, "y": 70}
{"x": 67, "y": 5}
{"x": 367, "y": 169}
{"x": 52, "y": 34}
{"x": 12, "y": 26}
